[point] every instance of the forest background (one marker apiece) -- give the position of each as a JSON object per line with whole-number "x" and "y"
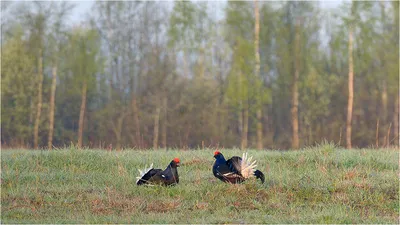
{"x": 196, "y": 74}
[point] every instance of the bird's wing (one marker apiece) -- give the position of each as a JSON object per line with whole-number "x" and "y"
{"x": 224, "y": 173}
{"x": 164, "y": 177}
{"x": 161, "y": 177}
{"x": 234, "y": 164}
{"x": 146, "y": 174}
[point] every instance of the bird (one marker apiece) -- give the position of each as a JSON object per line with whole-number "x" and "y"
{"x": 150, "y": 176}
{"x": 236, "y": 169}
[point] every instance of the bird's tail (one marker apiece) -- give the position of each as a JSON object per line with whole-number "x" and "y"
{"x": 259, "y": 175}
{"x": 247, "y": 166}
{"x": 142, "y": 173}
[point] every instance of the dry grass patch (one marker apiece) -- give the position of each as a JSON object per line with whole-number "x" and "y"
{"x": 162, "y": 206}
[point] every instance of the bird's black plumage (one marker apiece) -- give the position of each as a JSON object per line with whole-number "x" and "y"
{"x": 231, "y": 170}
{"x": 169, "y": 176}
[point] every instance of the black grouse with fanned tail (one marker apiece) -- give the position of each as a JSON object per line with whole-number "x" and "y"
{"x": 151, "y": 176}
{"x": 235, "y": 169}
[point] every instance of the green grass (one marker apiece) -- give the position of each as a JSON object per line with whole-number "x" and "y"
{"x": 315, "y": 185}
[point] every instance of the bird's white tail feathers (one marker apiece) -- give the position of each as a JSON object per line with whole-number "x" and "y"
{"x": 247, "y": 166}
{"x": 143, "y": 172}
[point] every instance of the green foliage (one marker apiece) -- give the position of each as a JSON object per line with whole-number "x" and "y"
{"x": 182, "y": 23}
{"x": 322, "y": 184}
{"x": 189, "y": 33}
{"x": 17, "y": 89}
{"x": 84, "y": 61}
{"x": 315, "y": 95}
{"x": 244, "y": 88}
{"x": 58, "y": 31}
{"x": 138, "y": 50}
{"x": 240, "y": 21}
{"x": 238, "y": 90}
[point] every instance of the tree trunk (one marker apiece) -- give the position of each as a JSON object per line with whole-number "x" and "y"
{"x": 186, "y": 136}
{"x": 350, "y": 97}
{"x": 118, "y": 129}
{"x": 259, "y": 130}
{"x": 295, "y": 91}
{"x": 397, "y": 100}
{"x": 32, "y": 112}
{"x": 118, "y": 137}
{"x": 201, "y": 63}
{"x": 245, "y": 127}
{"x": 257, "y": 71}
{"x": 396, "y": 121}
{"x": 39, "y": 103}
{"x": 186, "y": 64}
{"x": 294, "y": 111}
{"x": 377, "y": 134}
{"x": 82, "y": 114}
{"x": 52, "y": 104}
{"x": 384, "y": 101}
{"x": 384, "y": 94}
{"x": 156, "y": 127}
{"x": 164, "y": 124}
{"x": 136, "y": 121}
{"x": 240, "y": 126}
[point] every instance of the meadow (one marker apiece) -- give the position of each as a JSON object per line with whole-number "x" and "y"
{"x": 323, "y": 184}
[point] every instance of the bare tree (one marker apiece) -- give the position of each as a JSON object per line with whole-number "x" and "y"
{"x": 52, "y": 105}
{"x": 396, "y": 121}
{"x": 39, "y": 99}
{"x": 61, "y": 10}
{"x": 245, "y": 129}
{"x": 156, "y": 127}
{"x": 257, "y": 71}
{"x": 350, "y": 88}
{"x": 295, "y": 91}
{"x": 82, "y": 113}
{"x": 164, "y": 122}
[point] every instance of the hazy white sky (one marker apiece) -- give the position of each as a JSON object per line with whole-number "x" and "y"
{"x": 84, "y": 6}
{"x": 81, "y": 10}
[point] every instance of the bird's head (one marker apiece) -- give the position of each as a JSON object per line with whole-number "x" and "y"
{"x": 175, "y": 162}
{"x": 218, "y": 154}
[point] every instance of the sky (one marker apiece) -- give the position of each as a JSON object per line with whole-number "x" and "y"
{"x": 84, "y": 6}
{"x": 81, "y": 10}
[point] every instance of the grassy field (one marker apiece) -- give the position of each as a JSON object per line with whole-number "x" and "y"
{"x": 316, "y": 185}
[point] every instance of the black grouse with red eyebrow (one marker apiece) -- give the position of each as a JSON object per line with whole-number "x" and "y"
{"x": 235, "y": 169}
{"x": 151, "y": 176}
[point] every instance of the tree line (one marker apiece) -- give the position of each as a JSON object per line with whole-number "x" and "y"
{"x": 195, "y": 74}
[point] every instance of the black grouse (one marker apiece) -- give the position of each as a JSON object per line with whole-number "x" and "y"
{"x": 235, "y": 169}
{"x": 151, "y": 176}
